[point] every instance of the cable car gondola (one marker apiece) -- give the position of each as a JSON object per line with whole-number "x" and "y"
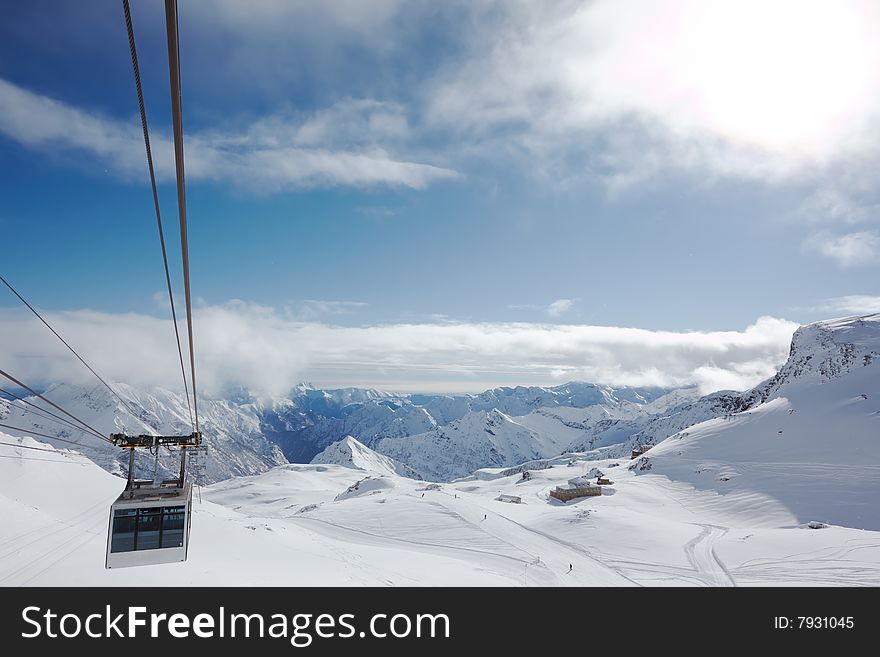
{"x": 149, "y": 527}
{"x": 150, "y": 520}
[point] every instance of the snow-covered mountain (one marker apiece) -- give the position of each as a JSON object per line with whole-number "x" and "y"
{"x": 820, "y": 353}
{"x": 618, "y": 438}
{"x": 522, "y": 400}
{"x": 247, "y": 434}
{"x": 492, "y": 438}
{"x": 351, "y": 453}
{"x": 236, "y": 445}
{"x": 808, "y": 438}
{"x": 312, "y": 419}
{"x": 487, "y": 438}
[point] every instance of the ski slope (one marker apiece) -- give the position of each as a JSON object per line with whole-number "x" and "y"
{"x": 307, "y": 525}
{"x": 812, "y": 446}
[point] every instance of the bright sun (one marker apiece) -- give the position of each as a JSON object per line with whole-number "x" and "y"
{"x": 783, "y": 75}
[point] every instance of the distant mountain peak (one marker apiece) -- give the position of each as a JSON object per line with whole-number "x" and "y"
{"x": 823, "y": 351}
{"x": 351, "y": 453}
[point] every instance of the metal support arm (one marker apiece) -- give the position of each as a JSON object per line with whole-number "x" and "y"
{"x": 122, "y": 440}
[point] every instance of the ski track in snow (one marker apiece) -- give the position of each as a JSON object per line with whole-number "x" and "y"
{"x": 701, "y": 553}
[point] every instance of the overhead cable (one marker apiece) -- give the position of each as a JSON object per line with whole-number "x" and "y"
{"x": 65, "y": 343}
{"x": 177, "y": 123}
{"x": 140, "y": 95}
{"x": 52, "y": 404}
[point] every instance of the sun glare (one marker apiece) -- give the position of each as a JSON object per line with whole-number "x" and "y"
{"x": 783, "y": 75}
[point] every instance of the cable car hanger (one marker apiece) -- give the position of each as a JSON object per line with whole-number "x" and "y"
{"x": 132, "y": 443}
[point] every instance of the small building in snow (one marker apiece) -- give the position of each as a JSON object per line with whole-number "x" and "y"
{"x": 577, "y": 487}
{"x": 512, "y": 499}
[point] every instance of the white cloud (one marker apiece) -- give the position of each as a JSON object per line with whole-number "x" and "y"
{"x": 310, "y": 309}
{"x": 554, "y": 309}
{"x": 273, "y": 154}
{"x": 851, "y": 249}
{"x": 342, "y": 18}
{"x": 829, "y": 204}
{"x": 349, "y": 121}
{"x": 560, "y": 307}
{"x": 161, "y": 301}
{"x": 40, "y": 122}
{"x": 265, "y": 350}
{"x": 608, "y": 91}
{"x": 376, "y": 211}
{"x": 851, "y": 304}
{"x": 634, "y": 89}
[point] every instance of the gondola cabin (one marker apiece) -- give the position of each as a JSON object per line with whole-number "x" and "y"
{"x": 150, "y": 520}
{"x": 149, "y": 525}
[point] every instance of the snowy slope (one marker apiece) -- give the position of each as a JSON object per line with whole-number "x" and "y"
{"x": 351, "y": 453}
{"x": 811, "y": 440}
{"x": 592, "y": 427}
{"x": 308, "y": 525}
{"x": 651, "y": 428}
{"x": 479, "y": 439}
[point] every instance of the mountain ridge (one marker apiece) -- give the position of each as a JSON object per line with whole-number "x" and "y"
{"x": 500, "y": 427}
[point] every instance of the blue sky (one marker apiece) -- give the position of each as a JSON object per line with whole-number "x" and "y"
{"x": 473, "y": 164}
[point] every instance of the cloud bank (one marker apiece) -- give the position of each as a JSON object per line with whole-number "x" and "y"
{"x": 847, "y": 250}
{"x": 851, "y": 304}
{"x": 605, "y": 91}
{"x": 631, "y": 90}
{"x": 343, "y": 145}
{"x": 269, "y": 351}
